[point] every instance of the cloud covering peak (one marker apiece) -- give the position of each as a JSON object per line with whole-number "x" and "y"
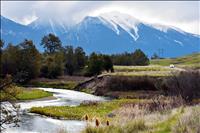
{"x": 183, "y": 15}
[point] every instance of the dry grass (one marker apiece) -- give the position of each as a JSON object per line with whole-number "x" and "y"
{"x": 188, "y": 122}
{"x": 152, "y": 70}
{"x": 154, "y": 106}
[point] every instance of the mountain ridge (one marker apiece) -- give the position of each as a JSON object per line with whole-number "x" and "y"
{"x": 111, "y": 33}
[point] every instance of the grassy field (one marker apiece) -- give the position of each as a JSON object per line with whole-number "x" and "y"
{"x": 192, "y": 60}
{"x": 178, "y": 120}
{"x": 151, "y": 70}
{"x": 32, "y": 94}
{"x": 128, "y": 116}
{"x": 138, "y": 125}
{"x": 140, "y": 68}
{"x": 159, "y": 67}
{"x": 20, "y": 93}
{"x": 99, "y": 110}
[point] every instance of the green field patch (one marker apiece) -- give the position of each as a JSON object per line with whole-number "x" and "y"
{"x": 139, "y": 68}
{"x": 20, "y": 93}
{"x": 32, "y": 94}
{"x": 193, "y": 59}
{"x": 99, "y": 110}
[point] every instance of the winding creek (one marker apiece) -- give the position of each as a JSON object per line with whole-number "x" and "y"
{"x": 33, "y": 123}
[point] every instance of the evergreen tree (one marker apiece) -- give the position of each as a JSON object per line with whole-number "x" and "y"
{"x": 80, "y": 58}
{"x": 69, "y": 60}
{"x": 21, "y": 61}
{"x": 140, "y": 58}
{"x": 30, "y": 60}
{"x": 107, "y": 63}
{"x": 51, "y": 43}
{"x": 10, "y": 60}
{"x": 95, "y": 65}
{"x": 53, "y": 66}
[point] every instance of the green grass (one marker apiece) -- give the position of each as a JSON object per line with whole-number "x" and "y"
{"x": 189, "y": 122}
{"x": 59, "y": 85}
{"x": 138, "y": 125}
{"x": 193, "y": 59}
{"x": 32, "y": 94}
{"x": 142, "y": 73}
{"x": 139, "y": 68}
{"x": 99, "y": 110}
{"x": 151, "y": 70}
{"x": 130, "y": 127}
{"x": 166, "y": 126}
{"x": 20, "y": 93}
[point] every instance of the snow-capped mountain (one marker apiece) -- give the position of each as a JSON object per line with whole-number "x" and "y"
{"x": 110, "y": 33}
{"x": 49, "y": 26}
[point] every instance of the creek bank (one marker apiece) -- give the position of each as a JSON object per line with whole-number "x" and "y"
{"x": 121, "y": 86}
{"x": 30, "y": 122}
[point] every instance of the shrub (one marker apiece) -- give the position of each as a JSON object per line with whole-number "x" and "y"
{"x": 124, "y": 83}
{"x": 186, "y": 84}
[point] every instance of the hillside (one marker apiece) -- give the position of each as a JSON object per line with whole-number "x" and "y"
{"x": 188, "y": 60}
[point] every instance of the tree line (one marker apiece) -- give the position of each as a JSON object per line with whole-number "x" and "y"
{"x": 24, "y": 62}
{"x": 137, "y": 58}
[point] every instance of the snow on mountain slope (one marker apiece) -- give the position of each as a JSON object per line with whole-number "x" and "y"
{"x": 49, "y": 26}
{"x": 126, "y": 22}
{"x": 107, "y": 33}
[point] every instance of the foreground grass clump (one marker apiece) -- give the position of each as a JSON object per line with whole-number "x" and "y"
{"x": 32, "y": 94}
{"x": 100, "y": 110}
{"x": 56, "y": 84}
{"x": 144, "y": 125}
{"x": 188, "y": 122}
{"x": 130, "y": 127}
{"x": 165, "y": 126}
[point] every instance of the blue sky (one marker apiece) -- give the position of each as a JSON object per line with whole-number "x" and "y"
{"x": 184, "y": 15}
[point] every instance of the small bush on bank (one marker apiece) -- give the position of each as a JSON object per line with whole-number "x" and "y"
{"x": 10, "y": 93}
{"x": 186, "y": 84}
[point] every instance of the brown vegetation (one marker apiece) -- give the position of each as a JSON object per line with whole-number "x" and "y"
{"x": 186, "y": 84}
{"x": 124, "y": 83}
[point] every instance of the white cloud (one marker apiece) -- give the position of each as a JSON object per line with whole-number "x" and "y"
{"x": 184, "y": 15}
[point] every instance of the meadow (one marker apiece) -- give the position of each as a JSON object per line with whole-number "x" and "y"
{"x": 21, "y": 93}
{"x": 188, "y": 61}
{"x": 151, "y": 70}
{"x": 166, "y": 115}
